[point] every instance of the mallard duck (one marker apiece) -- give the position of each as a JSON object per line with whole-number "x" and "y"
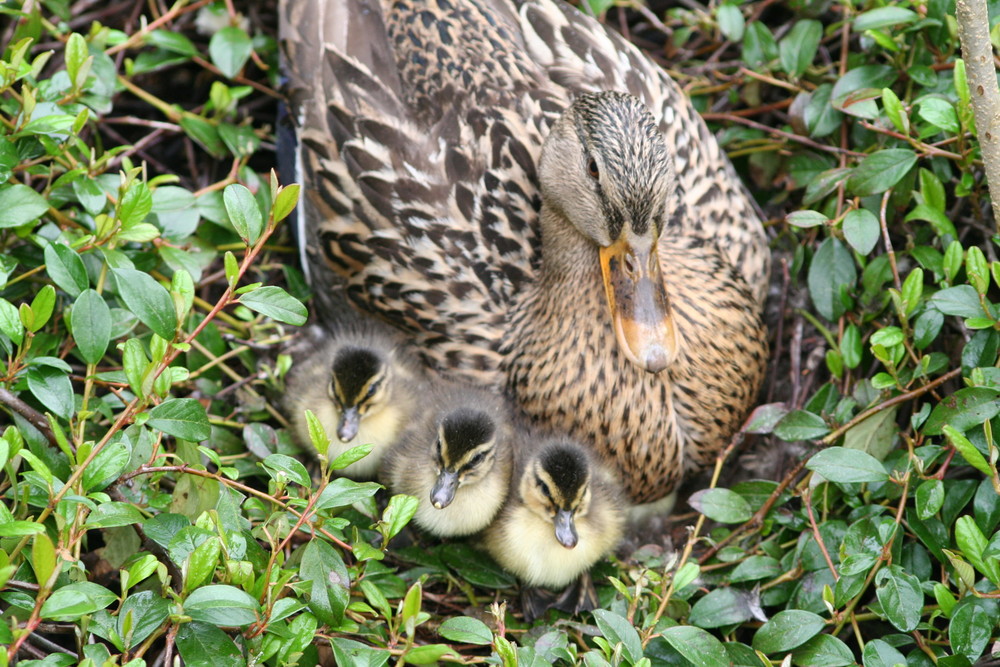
{"x": 564, "y": 514}
{"x": 538, "y": 205}
{"x": 363, "y": 384}
{"x": 456, "y": 461}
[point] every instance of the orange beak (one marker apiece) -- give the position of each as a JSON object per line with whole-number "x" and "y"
{"x": 639, "y": 307}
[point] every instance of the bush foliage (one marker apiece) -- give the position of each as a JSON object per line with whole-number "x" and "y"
{"x": 154, "y": 505}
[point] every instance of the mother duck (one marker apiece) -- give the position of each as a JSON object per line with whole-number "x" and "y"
{"x": 539, "y": 206}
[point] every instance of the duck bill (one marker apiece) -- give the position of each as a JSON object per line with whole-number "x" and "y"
{"x": 348, "y": 426}
{"x": 443, "y": 491}
{"x": 566, "y": 529}
{"x": 638, "y": 301}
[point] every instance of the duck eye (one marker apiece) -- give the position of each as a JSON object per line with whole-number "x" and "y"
{"x": 372, "y": 389}
{"x": 477, "y": 459}
{"x": 592, "y": 168}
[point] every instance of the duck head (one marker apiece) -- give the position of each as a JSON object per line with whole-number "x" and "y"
{"x": 465, "y": 451}
{"x": 556, "y": 487}
{"x": 359, "y": 386}
{"x": 606, "y": 172}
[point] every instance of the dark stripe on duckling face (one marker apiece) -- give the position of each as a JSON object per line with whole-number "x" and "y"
{"x": 564, "y": 480}
{"x": 464, "y": 449}
{"x": 354, "y": 368}
{"x": 358, "y": 374}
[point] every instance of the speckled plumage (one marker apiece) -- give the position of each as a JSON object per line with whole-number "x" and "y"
{"x": 421, "y": 125}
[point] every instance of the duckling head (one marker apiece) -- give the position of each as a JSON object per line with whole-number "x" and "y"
{"x": 557, "y": 488}
{"x": 605, "y": 170}
{"x": 359, "y": 386}
{"x": 465, "y": 450}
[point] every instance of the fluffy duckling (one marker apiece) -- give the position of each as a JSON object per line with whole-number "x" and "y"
{"x": 363, "y": 384}
{"x": 565, "y": 512}
{"x": 456, "y": 461}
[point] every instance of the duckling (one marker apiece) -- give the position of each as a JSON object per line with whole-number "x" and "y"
{"x": 456, "y": 461}
{"x": 363, "y": 384}
{"x": 565, "y": 512}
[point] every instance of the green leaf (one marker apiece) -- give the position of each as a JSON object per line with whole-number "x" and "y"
{"x": 277, "y": 304}
{"x": 823, "y": 651}
{"x": 967, "y": 450}
{"x": 285, "y": 201}
{"x": 397, "y": 514}
{"x": 883, "y": 17}
{"x": 855, "y": 92}
{"x": 182, "y": 418}
{"x": 73, "y": 601}
{"x": 229, "y": 49}
{"x": 43, "y": 557}
{"x": 731, "y": 22}
{"x": 940, "y": 223}
{"x": 174, "y": 42}
{"x": 806, "y": 219}
{"x": 831, "y": 269}
{"x": 109, "y": 463}
{"x": 466, "y": 631}
{"x": 722, "y": 606}
{"x": 41, "y": 307}
{"x": 429, "y": 654}
{"x": 861, "y": 229}
{"x": 940, "y": 113}
{"x": 66, "y": 269}
{"x": 20, "y": 205}
{"x": 721, "y": 505}
{"x": 759, "y": 47}
{"x": 697, "y": 646}
{"x": 329, "y": 583}
{"x": 91, "y": 323}
{"x": 787, "y": 630}
{"x": 10, "y": 322}
{"x": 147, "y": 612}
{"x": 222, "y": 605}
{"x": 244, "y": 212}
{"x": 874, "y": 435}
{"x": 801, "y": 425}
{"x": 52, "y": 387}
{"x": 879, "y": 653}
{"x": 880, "y": 171}
{"x": 342, "y": 492}
{"x": 798, "y": 47}
{"x": 293, "y": 470}
{"x": 930, "y": 498}
{"x": 112, "y": 514}
{"x": 973, "y": 543}
{"x": 839, "y": 464}
{"x": 963, "y": 410}
{"x": 617, "y": 630}
{"x": 148, "y": 300}
{"x": 900, "y": 596}
{"x": 970, "y": 630}
{"x": 204, "y": 645}
{"x": 895, "y": 111}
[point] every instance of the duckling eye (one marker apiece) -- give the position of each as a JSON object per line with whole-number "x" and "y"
{"x": 372, "y": 389}
{"x": 477, "y": 459}
{"x": 592, "y": 168}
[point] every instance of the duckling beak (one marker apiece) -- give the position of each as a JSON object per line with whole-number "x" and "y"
{"x": 348, "y": 426}
{"x": 444, "y": 488}
{"x": 565, "y": 529}
{"x": 638, "y": 300}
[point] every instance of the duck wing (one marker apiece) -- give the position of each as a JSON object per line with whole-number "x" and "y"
{"x": 582, "y": 55}
{"x": 420, "y": 127}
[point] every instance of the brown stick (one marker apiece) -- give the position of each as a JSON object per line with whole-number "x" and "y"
{"x": 977, "y": 52}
